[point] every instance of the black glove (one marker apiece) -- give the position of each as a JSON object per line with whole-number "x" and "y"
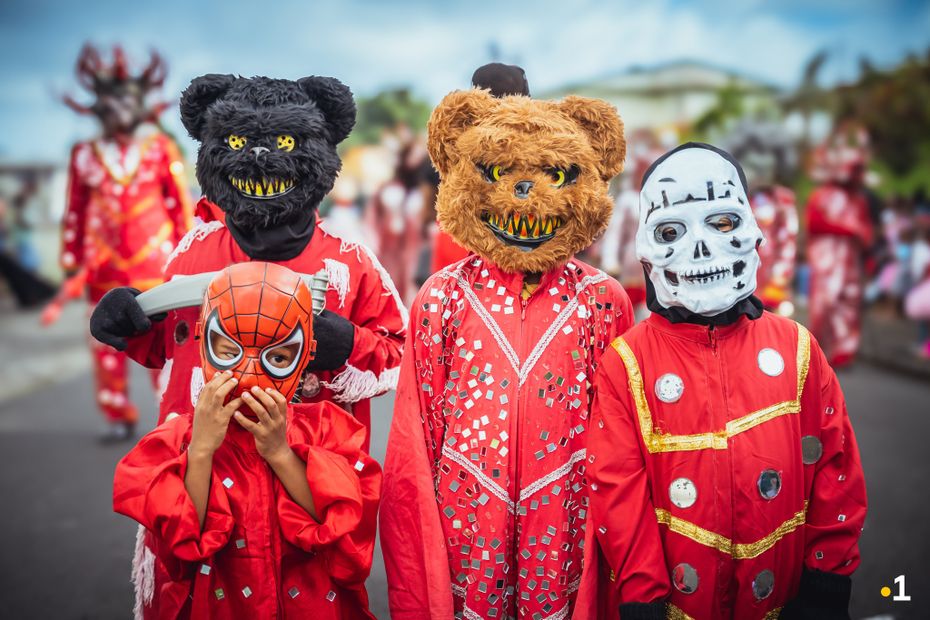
{"x": 335, "y": 338}
{"x": 117, "y": 316}
{"x": 822, "y": 596}
{"x": 643, "y": 611}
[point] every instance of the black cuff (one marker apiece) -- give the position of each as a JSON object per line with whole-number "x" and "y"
{"x": 643, "y": 611}
{"x": 821, "y": 596}
{"x": 335, "y": 339}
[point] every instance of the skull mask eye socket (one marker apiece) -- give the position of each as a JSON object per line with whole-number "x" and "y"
{"x": 669, "y": 232}
{"x": 280, "y": 360}
{"x": 223, "y": 351}
{"x": 723, "y": 222}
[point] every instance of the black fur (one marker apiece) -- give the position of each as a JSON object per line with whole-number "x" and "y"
{"x": 318, "y": 112}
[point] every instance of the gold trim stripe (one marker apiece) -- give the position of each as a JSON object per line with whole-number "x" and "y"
{"x": 739, "y": 551}
{"x": 659, "y": 442}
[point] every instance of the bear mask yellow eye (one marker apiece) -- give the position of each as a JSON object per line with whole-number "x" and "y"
{"x": 562, "y": 177}
{"x": 235, "y": 142}
{"x": 493, "y": 173}
{"x": 286, "y": 143}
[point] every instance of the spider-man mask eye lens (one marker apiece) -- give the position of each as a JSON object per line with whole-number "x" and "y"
{"x": 223, "y": 351}
{"x": 280, "y": 360}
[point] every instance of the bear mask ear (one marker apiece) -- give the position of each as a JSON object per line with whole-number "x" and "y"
{"x": 601, "y": 122}
{"x": 334, "y": 99}
{"x": 197, "y": 97}
{"x": 457, "y": 112}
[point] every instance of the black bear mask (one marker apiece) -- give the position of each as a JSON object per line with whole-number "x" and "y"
{"x": 268, "y": 147}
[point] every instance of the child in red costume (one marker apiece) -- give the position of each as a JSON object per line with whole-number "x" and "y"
{"x": 724, "y": 474}
{"x": 273, "y": 514}
{"x": 127, "y": 206}
{"x": 267, "y": 157}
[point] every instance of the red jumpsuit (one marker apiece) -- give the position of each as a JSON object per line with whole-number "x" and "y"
{"x": 840, "y": 232}
{"x": 127, "y": 209}
{"x": 777, "y": 216}
{"x": 359, "y": 290}
{"x": 259, "y": 554}
{"x": 485, "y": 493}
{"x": 722, "y": 462}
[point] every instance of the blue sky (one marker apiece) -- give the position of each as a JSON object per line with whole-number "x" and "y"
{"x": 430, "y": 46}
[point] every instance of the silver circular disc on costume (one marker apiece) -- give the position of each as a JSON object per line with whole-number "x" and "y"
{"x": 771, "y": 362}
{"x": 182, "y": 332}
{"x": 811, "y": 449}
{"x": 669, "y": 388}
{"x": 763, "y": 584}
{"x": 682, "y": 492}
{"x": 311, "y": 385}
{"x": 685, "y": 578}
{"x": 769, "y": 483}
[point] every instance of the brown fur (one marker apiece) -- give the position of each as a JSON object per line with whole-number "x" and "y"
{"x": 525, "y": 136}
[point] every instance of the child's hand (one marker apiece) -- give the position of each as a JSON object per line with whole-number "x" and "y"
{"x": 211, "y": 416}
{"x": 270, "y": 431}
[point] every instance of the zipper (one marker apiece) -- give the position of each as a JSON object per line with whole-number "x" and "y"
{"x": 712, "y": 338}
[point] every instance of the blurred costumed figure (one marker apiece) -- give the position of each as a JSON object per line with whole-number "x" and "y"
{"x": 394, "y": 214}
{"x": 840, "y": 232}
{"x": 618, "y": 250}
{"x": 127, "y": 205}
{"x": 768, "y": 157}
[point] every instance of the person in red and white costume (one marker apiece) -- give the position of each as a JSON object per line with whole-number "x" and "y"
{"x": 725, "y": 479}
{"x": 768, "y": 157}
{"x": 484, "y": 490}
{"x": 840, "y": 234}
{"x": 127, "y": 206}
{"x": 267, "y": 158}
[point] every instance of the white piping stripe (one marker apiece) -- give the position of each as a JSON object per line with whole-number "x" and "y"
{"x": 486, "y": 482}
{"x": 553, "y": 475}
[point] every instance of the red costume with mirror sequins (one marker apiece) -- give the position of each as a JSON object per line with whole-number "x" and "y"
{"x": 487, "y": 453}
{"x": 722, "y": 462}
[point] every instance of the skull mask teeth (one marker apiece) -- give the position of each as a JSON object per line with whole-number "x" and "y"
{"x": 697, "y": 235}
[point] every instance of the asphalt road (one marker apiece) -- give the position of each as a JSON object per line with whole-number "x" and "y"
{"x": 64, "y": 554}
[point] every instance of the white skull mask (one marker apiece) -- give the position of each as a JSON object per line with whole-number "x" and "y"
{"x": 697, "y": 236}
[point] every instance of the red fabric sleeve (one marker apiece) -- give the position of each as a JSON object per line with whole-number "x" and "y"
{"x": 149, "y": 487}
{"x": 74, "y": 222}
{"x": 415, "y": 555}
{"x": 174, "y": 186}
{"x": 837, "y": 498}
{"x": 380, "y": 323}
{"x": 345, "y": 483}
{"x": 622, "y": 511}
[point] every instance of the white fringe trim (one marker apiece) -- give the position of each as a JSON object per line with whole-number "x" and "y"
{"x": 197, "y": 233}
{"x": 338, "y": 274}
{"x": 353, "y": 384}
{"x": 143, "y": 574}
{"x": 347, "y": 246}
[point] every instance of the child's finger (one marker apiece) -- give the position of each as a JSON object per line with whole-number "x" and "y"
{"x": 230, "y": 408}
{"x": 226, "y": 387}
{"x": 246, "y": 423}
{"x": 270, "y": 405}
{"x": 280, "y": 401}
{"x": 255, "y": 406}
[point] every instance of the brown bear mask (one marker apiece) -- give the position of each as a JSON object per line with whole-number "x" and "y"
{"x": 524, "y": 181}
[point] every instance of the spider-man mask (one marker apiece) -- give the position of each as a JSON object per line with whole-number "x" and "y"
{"x": 256, "y": 321}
